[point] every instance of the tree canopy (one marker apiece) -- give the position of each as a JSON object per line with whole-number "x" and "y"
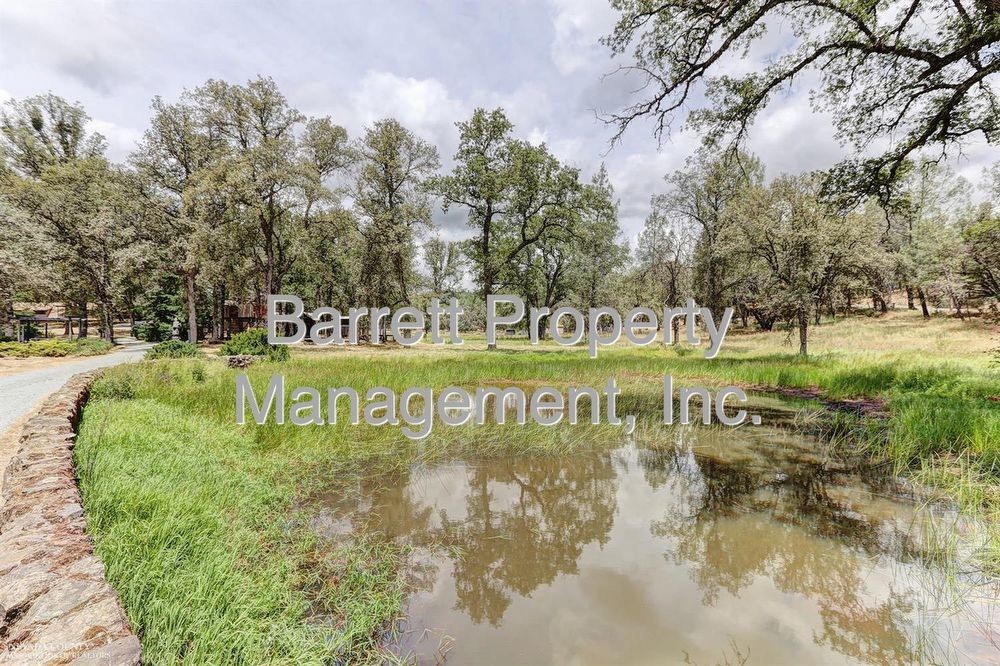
{"x": 923, "y": 73}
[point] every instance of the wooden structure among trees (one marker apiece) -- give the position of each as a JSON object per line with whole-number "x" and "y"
{"x": 26, "y": 323}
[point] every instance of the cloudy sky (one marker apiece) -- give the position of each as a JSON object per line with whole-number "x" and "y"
{"x": 425, "y": 62}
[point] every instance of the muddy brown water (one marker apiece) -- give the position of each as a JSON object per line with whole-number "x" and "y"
{"x": 716, "y": 546}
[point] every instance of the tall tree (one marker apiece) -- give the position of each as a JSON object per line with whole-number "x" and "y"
{"x": 798, "y": 244}
{"x": 13, "y": 267}
{"x": 699, "y": 196}
{"x": 267, "y": 175}
{"x": 480, "y": 182}
{"x": 600, "y": 255}
{"x": 928, "y": 201}
{"x": 662, "y": 254}
{"x": 90, "y": 214}
{"x": 175, "y": 152}
{"x": 36, "y": 133}
{"x": 981, "y": 232}
{"x": 44, "y": 131}
{"x": 538, "y": 241}
{"x": 544, "y": 201}
{"x": 444, "y": 266}
{"x": 392, "y": 205}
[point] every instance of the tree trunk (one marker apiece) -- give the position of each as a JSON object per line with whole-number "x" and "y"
{"x": 107, "y": 319}
{"x": 923, "y": 303}
{"x": 218, "y": 307}
{"x": 222, "y": 301}
{"x": 84, "y": 323}
{"x": 878, "y": 303}
{"x": 958, "y": 308}
{"x": 192, "y": 307}
{"x": 803, "y": 330}
{"x": 7, "y": 316}
{"x": 909, "y": 299}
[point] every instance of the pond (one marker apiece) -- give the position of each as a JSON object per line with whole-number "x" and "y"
{"x": 717, "y": 546}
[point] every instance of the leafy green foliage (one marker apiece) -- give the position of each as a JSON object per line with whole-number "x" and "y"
{"x": 84, "y": 347}
{"x": 393, "y": 205}
{"x": 879, "y": 71}
{"x": 174, "y": 349}
{"x": 152, "y": 331}
{"x": 198, "y": 373}
{"x": 792, "y": 247}
{"x": 253, "y": 342}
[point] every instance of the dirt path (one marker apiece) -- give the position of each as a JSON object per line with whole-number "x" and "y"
{"x": 13, "y": 366}
{"x": 22, "y": 390}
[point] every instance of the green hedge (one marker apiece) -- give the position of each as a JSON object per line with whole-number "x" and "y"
{"x": 253, "y": 342}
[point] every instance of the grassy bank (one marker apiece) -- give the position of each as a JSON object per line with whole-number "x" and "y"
{"x": 196, "y": 519}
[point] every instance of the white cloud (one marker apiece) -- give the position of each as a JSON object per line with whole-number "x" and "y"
{"x": 790, "y": 137}
{"x": 121, "y": 140}
{"x": 578, "y": 25}
{"x": 527, "y": 105}
{"x": 91, "y": 43}
{"x": 640, "y": 176}
{"x": 423, "y": 105}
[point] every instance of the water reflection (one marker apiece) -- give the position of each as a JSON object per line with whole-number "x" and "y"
{"x": 660, "y": 554}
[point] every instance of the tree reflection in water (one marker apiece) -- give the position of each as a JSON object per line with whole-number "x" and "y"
{"x": 524, "y": 521}
{"x": 508, "y": 526}
{"x": 737, "y": 523}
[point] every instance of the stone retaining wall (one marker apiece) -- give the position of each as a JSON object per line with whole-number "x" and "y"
{"x": 56, "y": 607}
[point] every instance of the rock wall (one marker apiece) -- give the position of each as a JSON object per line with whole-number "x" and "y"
{"x": 56, "y": 607}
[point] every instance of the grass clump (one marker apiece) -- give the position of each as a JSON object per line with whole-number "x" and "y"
{"x": 91, "y": 347}
{"x": 114, "y": 386}
{"x": 253, "y": 342}
{"x": 173, "y": 349}
{"x": 198, "y": 526}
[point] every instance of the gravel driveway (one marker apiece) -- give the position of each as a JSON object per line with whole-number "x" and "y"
{"x": 20, "y": 392}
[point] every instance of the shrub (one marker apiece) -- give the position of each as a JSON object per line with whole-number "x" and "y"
{"x": 36, "y": 348}
{"x": 198, "y": 373}
{"x": 253, "y": 342}
{"x": 115, "y": 386}
{"x": 91, "y": 347}
{"x": 54, "y": 348}
{"x": 152, "y": 331}
{"x": 174, "y": 349}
